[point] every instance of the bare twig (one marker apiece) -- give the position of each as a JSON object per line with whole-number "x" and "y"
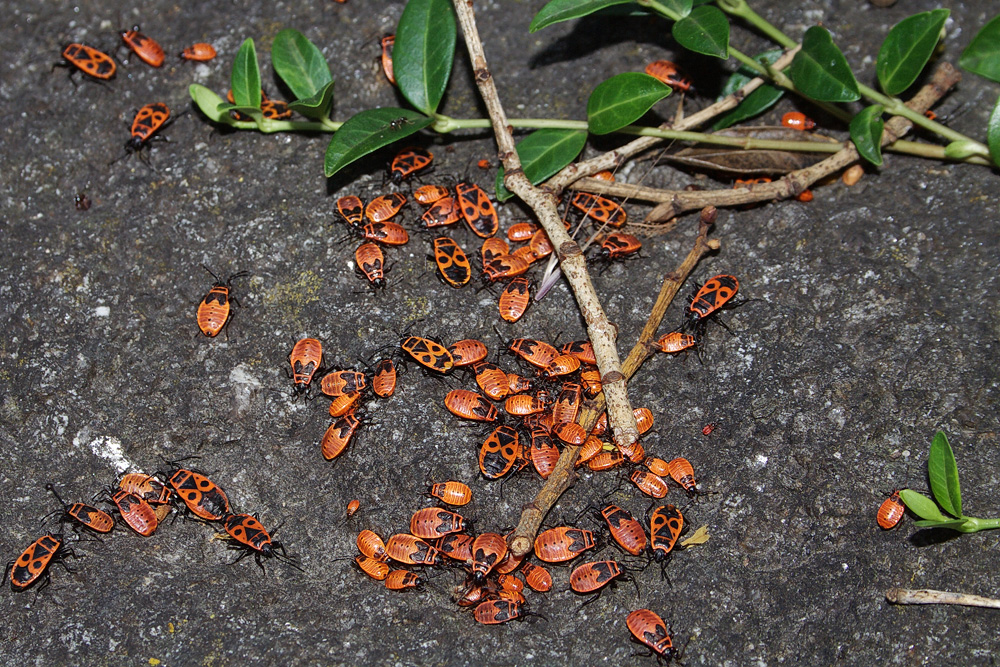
{"x": 926, "y": 596}
{"x": 601, "y": 332}
{"x": 676, "y": 202}
{"x": 612, "y": 159}
{"x": 562, "y": 476}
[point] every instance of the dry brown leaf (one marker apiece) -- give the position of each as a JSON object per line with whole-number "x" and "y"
{"x": 739, "y": 162}
{"x": 700, "y": 537}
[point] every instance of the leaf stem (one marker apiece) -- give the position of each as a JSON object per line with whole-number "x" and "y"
{"x": 974, "y": 525}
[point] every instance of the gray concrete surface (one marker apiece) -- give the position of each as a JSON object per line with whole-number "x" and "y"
{"x": 875, "y": 325}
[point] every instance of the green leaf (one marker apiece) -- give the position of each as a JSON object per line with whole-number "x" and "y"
{"x": 255, "y": 114}
{"x": 921, "y": 505}
{"x": 245, "y": 78}
{"x": 982, "y": 56}
{"x": 424, "y": 51}
{"x": 368, "y": 131}
{"x": 543, "y": 153}
{"x": 756, "y": 102}
{"x": 208, "y": 102}
{"x": 317, "y": 106}
{"x": 558, "y": 11}
{"x": 907, "y": 48}
{"x": 866, "y": 133}
{"x": 680, "y": 7}
{"x": 948, "y": 523}
{"x": 705, "y": 30}
{"x": 993, "y": 133}
{"x": 820, "y": 70}
{"x": 623, "y": 99}
{"x": 943, "y": 473}
{"x": 299, "y": 64}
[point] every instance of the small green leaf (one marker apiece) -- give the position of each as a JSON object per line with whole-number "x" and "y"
{"x": 820, "y": 70}
{"x": 907, "y": 48}
{"x": 317, "y": 106}
{"x": 993, "y": 133}
{"x": 948, "y": 523}
{"x": 943, "y": 473}
{"x": 208, "y": 102}
{"x": 982, "y": 56}
{"x": 254, "y": 113}
{"x": 543, "y": 153}
{"x": 866, "y": 133}
{"x": 623, "y": 99}
{"x": 705, "y": 30}
{"x": 680, "y": 7}
{"x": 424, "y": 51}
{"x": 299, "y": 64}
{"x": 921, "y": 505}
{"x": 558, "y": 11}
{"x": 756, "y": 102}
{"x": 368, "y": 131}
{"x": 245, "y": 78}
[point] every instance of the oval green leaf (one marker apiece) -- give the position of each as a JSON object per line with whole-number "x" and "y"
{"x": 680, "y": 8}
{"x": 921, "y": 505}
{"x": 299, "y": 64}
{"x": 820, "y": 70}
{"x": 622, "y": 100}
{"x": 368, "y": 131}
{"x": 543, "y": 153}
{"x": 424, "y": 51}
{"x": 756, "y": 102}
{"x": 907, "y": 48}
{"x": 558, "y": 11}
{"x": 317, "y": 106}
{"x": 705, "y": 30}
{"x": 982, "y": 56}
{"x": 208, "y": 102}
{"x": 245, "y": 78}
{"x": 943, "y": 473}
{"x": 993, "y": 134}
{"x": 866, "y": 133}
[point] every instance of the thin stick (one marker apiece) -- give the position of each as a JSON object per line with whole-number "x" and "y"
{"x": 563, "y": 475}
{"x": 676, "y": 202}
{"x": 600, "y": 331}
{"x": 612, "y": 159}
{"x": 927, "y": 596}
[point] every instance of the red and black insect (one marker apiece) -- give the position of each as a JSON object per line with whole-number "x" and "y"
{"x": 388, "y": 233}
{"x": 148, "y": 50}
{"x": 384, "y": 379}
{"x": 88, "y": 60}
{"x": 499, "y": 452}
{"x": 433, "y": 522}
{"x": 665, "y": 526}
{"x": 491, "y": 379}
{"x": 384, "y": 207}
{"x": 352, "y": 209}
{"x": 682, "y": 472}
{"x": 87, "y": 516}
{"x": 338, "y": 435}
{"x": 488, "y": 550}
{"x": 537, "y": 577}
{"x": 605, "y": 460}
{"x": 250, "y": 537}
{"x": 428, "y": 353}
{"x": 339, "y": 383}
{"x": 372, "y": 546}
{"x": 427, "y": 195}
{"x": 470, "y": 405}
{"x": 599, "y": 208}
{"x": 493, "y": 248}
{"x": 387, "y": 43}
{"x": 306, "y": 358}
{"x": 370, "y": 263}
{"x": 675, "y": 342}
{"x": 410, "y": 550}
{"x": 32, "y": 565}
{"x": 590, "y": 577}
{"x": 81, "y": 201}
{"x": 468, "y": 352}
{"x": 618, "y": 245}
{"x": 353, "y": 507}
{"x": 409, "y": 161}
{"x": 451, "y": 262}
{"x": 136, "y": 512}
{"x": 670, "y": 74}
{"x": 890, "y": 512}
{"x": 456, "y": 546}
{"x": 451, "y": 493}
{"x": 514, "y": 299}
{"x": 342, "y": 404}
{"x": 797, "y": 121}
{"x": 582, "y": 350}
{"x": 564, "y": 543}
{"x": 564, "y": 364}
{"x": 710, "y": 297}
{"x": 275, "y": 110}
{"x": 399, "y": 580}
{"x": 200, "y": 52}
{"x": 201, "y": 495}
{"x": 477, "y": 209}
{"x": 571, "y": 433}
{"x": 537, "y": 353}
{"x": 625, "y": 529}
{"x": 544, "y": 454}
{"x": 505, "y": 266}
{"x": 215, "y": 311}
{"x": 148, "y": 121}
{"x": 147, "y": 487}
{"x": 540, "y": 244}
{"x": 522, "y": 405}
{"x": 520, "y": 232}
{"x": 442, "y": 213}
{"x": 650, "y": 484}
{"x": 647, "y": 627}
{"x": 373, "y": 568}
{"x": 494, "y": 612}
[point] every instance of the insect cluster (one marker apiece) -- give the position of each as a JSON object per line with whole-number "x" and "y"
{"x": 143, "y": 502}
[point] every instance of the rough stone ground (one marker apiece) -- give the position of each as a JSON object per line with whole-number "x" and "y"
{"x": 874, "y": 324}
